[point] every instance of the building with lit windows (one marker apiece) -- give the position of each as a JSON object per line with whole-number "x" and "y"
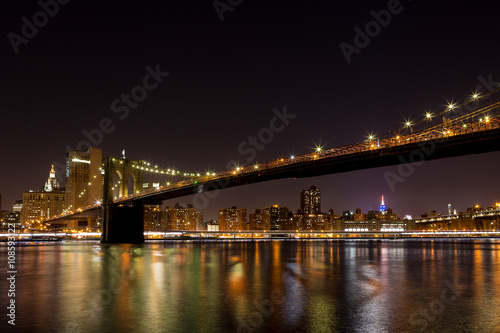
{"x": 83, "y": 178}
{"x": 39, "y": 205}
{"x": 275, "y": 217}
{"x": 309, "y": 216}
{"x": 232, "y": 219}
{"x": 310, "y": 200}
{"x": 256, "y": 222}
{"x": 152, "y": 216}
{"x": 18, "y": 206}
{"x": 183, "y": 218}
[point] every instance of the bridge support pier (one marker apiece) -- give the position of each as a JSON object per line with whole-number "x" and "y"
{"x": 120, "y": 223}
{"x": 123, "y": 224}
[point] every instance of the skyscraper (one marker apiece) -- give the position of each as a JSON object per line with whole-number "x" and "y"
{"x": 83, "y": 178}
{"x": 52, "y": 183}
{"x": 39, "y": 205}
{"x": 382, "y": 209}
{"x": 310, "y": 200}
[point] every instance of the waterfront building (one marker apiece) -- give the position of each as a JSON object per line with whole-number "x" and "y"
{"x": 232, "y": 219}
{"x": 358, "y": 216}
{"x": 275, "y": 217}
{"x": 183, "y": 218}
{"x": 256, "y": 221}
{"x": 152, "y": 216}
{"x": 213, "y": 227}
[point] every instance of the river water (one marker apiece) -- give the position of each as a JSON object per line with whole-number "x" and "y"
{"x": 417, "y": 285}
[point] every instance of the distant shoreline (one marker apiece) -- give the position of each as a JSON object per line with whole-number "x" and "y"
{"x": 338, "y": 237}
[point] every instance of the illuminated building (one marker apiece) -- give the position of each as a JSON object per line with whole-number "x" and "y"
{"x": 310, "y": 200}
{"x": 152, "y": 216}
{"x": 52, "y": 183}
{"x": 181, "y": 218}
{"x": 331, "y": 219}
{"x": 309, "y": 216}
{"x": 382, "y": 209}
{"x": 83, "y": 178}
{"x": 39, "y": 205}
{"x": 358, "y": 216}
{"x": 274, "y": 217}
{"x": 232, "y": 218}
{"x": 256, "y": 221}
{"x": 475, "y": 208}
{"x": 18, "y": 206}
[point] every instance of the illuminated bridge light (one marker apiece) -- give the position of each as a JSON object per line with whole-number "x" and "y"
{"x": 428, "y": 115}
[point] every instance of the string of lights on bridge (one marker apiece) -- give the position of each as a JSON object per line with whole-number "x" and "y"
{"x": 147, "y": 167}
{"x": 408, "y": 125}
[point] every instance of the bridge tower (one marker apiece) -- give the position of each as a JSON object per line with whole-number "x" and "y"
{"x": 122, "y": 223}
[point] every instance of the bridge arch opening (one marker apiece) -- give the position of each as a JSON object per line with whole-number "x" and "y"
{"x": 131, "y": 183}
{"x": 116, "y": 188}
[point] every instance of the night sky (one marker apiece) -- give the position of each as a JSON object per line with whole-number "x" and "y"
{"x": 226, "y": 77}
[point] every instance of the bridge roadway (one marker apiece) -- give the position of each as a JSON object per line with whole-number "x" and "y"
{"x": 345, "y": 159}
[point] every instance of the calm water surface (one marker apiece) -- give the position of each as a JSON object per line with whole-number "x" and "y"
{"x": 278, "y": 286}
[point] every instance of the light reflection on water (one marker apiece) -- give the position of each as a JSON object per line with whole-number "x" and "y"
{"x": 279, "y": 286}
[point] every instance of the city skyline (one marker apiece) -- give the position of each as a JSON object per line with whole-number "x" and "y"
{"x": 199, "y": 115}
{"x": 52, "y": 184}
